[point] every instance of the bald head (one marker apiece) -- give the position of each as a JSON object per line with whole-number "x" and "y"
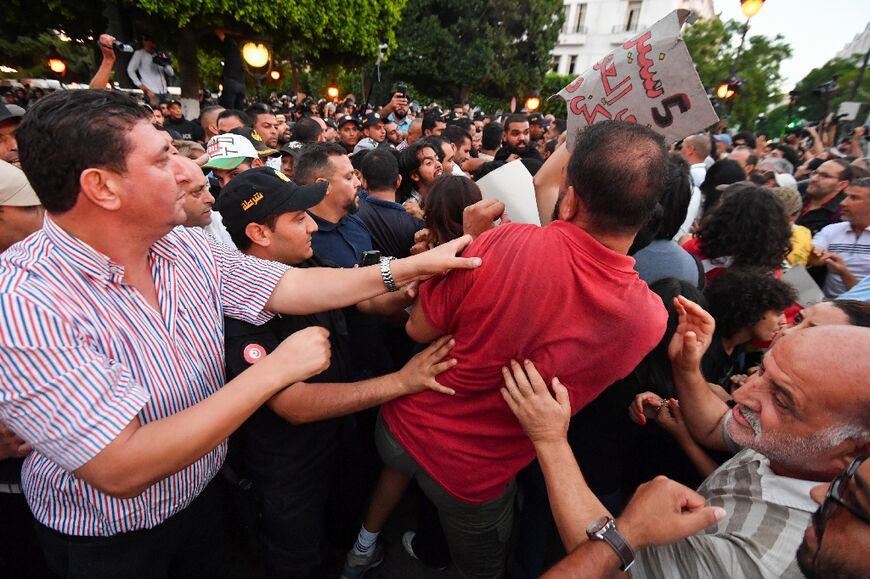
{"x": 415, "y": 131}
{"x": 696, "y": 148}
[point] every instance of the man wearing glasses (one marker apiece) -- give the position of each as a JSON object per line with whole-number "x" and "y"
{"x": 836, "y": 543}
{"x": 824, "y": 194}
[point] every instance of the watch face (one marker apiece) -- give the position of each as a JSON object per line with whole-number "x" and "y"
{"x": 598, "y": 525}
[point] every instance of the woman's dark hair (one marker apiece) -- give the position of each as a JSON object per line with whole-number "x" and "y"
{"x": 449, "y": 196}
{"x": 740, "y": 297}
{"x": 722, "y": 172}
{"x": 857, "y": 311}
{"x": 655, "y": 368}
{"x": 749, "y": 225}
{"x": 69, "y": 131}
{"x": 671, "y": 210}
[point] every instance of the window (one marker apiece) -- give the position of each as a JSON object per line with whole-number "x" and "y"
{"x": 572, "y": 64}
{"x": 554, "y": 62}
{"x": 633, "y": 16}
{"x": 567, "y": 26}
{"x": 580, "y": 19}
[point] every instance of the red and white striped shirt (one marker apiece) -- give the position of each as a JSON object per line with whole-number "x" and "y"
{"x": 82, "y": 353}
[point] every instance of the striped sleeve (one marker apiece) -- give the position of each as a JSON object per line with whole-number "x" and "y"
{"x": 246, "y": 283}
{"x": 822, "y": 239}
{"x": 698, "y": 556}
{"x": 59, "y": 394}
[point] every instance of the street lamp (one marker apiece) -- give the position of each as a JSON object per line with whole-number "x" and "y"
{"x": 332, "y": 92}
{"x": 275, "y": 75}
{"x": 731, "y": 85}
{"x": 258, "y": 58}
{"x": 256, "y": 54}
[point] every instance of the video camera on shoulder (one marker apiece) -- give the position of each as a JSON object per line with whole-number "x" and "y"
{"x": 162, "y": 58}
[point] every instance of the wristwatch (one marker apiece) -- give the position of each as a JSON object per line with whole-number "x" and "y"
{"x": 604, "y": 529}
{"x": 387, "y": 274}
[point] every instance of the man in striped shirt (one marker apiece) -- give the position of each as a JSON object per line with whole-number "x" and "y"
{"x": 111, "y": 342}
{"x": 800, "y": 419}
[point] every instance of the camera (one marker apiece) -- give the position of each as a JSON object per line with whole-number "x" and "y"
{"x": 161, "y": 58}
{"x": 121, "y": 47}
{"x": 402, "y": 89}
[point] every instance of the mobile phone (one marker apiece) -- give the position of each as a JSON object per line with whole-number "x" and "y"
{"x": 371, "y": 257}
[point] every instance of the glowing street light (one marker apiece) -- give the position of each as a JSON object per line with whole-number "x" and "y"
{"x": 533, "y": 102}
{"x": 256, "y": 54}
{"x": 750, "y": 7}
{"x": 332, "y": 91}
{"x": 275, "y": 75}
{"x": 56, "y": 64}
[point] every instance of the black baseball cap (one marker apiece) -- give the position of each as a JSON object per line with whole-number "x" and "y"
{"x": 347, "y": 119}
{"x": 263, "y": 150}
{"x": 538, "y": 119}
{"x": 371, "y": 120}
{"x": 330, "y": 122}
{"x": 257, "y": 193}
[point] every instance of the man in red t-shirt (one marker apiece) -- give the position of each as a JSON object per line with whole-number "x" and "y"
{"x": 564, "y": 296}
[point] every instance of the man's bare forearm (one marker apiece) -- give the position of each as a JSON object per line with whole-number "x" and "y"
{"x": 702, "y": 409}
{"x": 573, "y": 504}
{"x": 303, "y": 402}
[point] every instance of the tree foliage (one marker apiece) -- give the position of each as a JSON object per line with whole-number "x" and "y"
{"x": 811, "y": 103}
{"x": 713, "y": 45}
{"x": 500, "y": 48}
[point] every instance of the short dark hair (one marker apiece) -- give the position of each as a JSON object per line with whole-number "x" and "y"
{"x": 739, "y": 297}
{"x": 491, "y": 138}
{"x": 430, "y": 120}
{"x": 722, "y": 172}
{"x": 448, "y": 197}
{"x": 746, "y": 137}
{"x": 380, "y": 169}
{"x": 306, "y": 130}
{"x": 229, "y": 113}
{"x": 312, "y": 162}
{"x": 617, "y": 170}
{"x": 456, "y": 135}
{"x": 258, "y": 109}
{"x": 241, "y": 239}
{"x": 67, "y": 132}
{"x": 515, "y": 118}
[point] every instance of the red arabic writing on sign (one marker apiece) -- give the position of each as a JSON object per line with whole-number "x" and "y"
{"x": 651, "y": 85}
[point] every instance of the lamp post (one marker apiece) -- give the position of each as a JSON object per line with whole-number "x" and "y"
{"x": 56, "y": 64}
{"x": 731, "y": 85}
{"x": 258, "y": 59}
{"x": 533, "y": 101}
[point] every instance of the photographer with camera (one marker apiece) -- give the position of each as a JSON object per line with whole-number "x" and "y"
{"x": 148, "y": 70}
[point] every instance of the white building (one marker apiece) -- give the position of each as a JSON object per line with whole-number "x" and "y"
{"x": 593, "y": 28}
{"x": 859, "y": 45}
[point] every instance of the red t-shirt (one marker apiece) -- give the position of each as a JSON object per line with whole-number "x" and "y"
{"x": 551, "y": 294}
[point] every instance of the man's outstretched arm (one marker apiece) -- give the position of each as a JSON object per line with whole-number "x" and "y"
{"x": 662, "y": 511}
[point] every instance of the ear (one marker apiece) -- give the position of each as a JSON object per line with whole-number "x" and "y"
{"x": 258, "y": 162}
{"x": 415, "y": 176}
{"x": 259, "y": 234}
{"x": 323, "y": 180}
{"x": 398, "y": 182}
{"x": 569, "y": 206}
{"x": 100, "y": 187}
{"x": 363, "y": 182}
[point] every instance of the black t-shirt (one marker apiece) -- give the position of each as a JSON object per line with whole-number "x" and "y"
{"x": 820, "y": 217}
{"x": 189, "y": 130}
{"x": 530, "y": 153}
{"x": 391, "y": 227}
{"x": 267, "y": 445}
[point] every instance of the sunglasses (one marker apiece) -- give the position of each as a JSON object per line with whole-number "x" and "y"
{"x": 835, "y": 498}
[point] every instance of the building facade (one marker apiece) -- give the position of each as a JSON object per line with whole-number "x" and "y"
{"x": 594, "y": 28}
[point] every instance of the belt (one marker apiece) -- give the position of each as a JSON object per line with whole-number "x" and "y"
{"x": 10, "y": 489}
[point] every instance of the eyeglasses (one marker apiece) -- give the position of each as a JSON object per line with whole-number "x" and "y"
{"x": 835, "y": 498}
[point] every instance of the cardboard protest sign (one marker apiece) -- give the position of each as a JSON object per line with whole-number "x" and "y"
{"x": 650, "y": 80}
{"x": 512, "y": 185}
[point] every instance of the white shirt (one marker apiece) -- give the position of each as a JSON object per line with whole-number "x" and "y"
{"x": 840, "y": 238}
{"x": 692, "y": 213}
{"x": 142, "y": 70}
{"x": 698, "y": 172}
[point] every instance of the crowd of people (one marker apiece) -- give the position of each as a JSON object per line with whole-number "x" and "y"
{"x": 266, "y": 325}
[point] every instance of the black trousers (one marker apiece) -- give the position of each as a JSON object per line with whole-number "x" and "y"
{"x": 189, "y": 544}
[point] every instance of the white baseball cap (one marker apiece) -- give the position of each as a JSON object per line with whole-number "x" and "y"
{"x": 228, "y": 151}
{"x": 15, "y": 189}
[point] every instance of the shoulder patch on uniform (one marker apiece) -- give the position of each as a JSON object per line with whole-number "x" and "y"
{"x": 253, "y": 353}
